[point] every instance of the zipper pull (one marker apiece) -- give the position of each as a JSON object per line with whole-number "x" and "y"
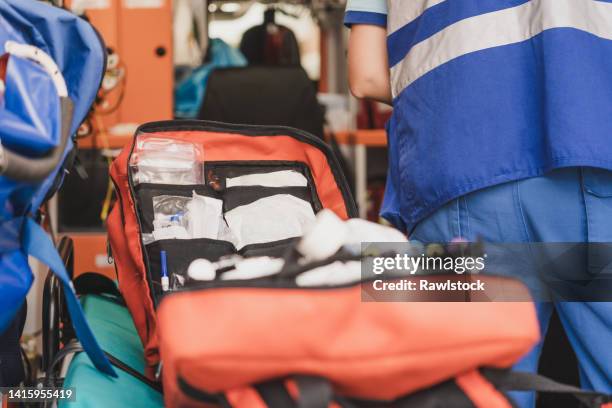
{"x": 109, "y": 253}
{"x": 159, "y": 370}
{"x": 213, "y": 181}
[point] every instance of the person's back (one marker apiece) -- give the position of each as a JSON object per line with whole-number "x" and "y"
{"x": 501, "y": 130}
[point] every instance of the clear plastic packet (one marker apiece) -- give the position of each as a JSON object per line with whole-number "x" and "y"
{"x": 168, "y": 205}
{"x": 178, "y": 217}
{"x": 166, "y": 161}
{"x": 169, "y": 217}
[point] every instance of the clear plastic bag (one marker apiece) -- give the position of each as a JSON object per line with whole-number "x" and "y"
{"x": 177, "y": 217}
{"x": 166, "y": 161}
{"x": 167, "y": 205}
{"x": 169, "y": 218}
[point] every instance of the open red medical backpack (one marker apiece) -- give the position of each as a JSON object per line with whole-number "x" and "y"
{"x": 228, "y": 150}
{"x": 266, "y": 342}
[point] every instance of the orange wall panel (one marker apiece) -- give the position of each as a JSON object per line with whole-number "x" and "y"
{"x": 145, "y": 44}
{"x": 138, "y": 31}
{"x": 90, "y": 254}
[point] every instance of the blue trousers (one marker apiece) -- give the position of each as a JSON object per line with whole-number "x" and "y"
{"x": 566, "y": 205}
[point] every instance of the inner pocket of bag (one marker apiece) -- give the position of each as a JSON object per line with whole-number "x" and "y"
{"x": 147, "y": 193}
{"x": 237, "y": 196}
{"x": 180, "y": 254}
{"x": 227, "y": 175}
{"x": 253, "y": 220}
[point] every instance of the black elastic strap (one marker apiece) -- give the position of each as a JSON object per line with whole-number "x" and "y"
{"x": 77, "y": 348}
{"x": 134, "y": 373}
{"x": 314, "y": 392}
{"x": 275, "y": 395}
{"x": 506, "y": 380}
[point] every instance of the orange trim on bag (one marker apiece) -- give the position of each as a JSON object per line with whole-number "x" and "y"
{"x": 246, "y": 397}
{"x": 480, "y": 391}
{"x": 292, "y": 389}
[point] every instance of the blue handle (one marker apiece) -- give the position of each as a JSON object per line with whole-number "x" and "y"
{"x": 164, "y": 264}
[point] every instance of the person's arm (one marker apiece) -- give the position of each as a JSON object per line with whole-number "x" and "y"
{"x": 368, "y": 63}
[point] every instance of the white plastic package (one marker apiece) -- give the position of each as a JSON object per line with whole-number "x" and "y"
{"x": 253, "y": 268}
{"x": 283, "y": 178}
{"x": 166, "y": 161}
{"x": 337, "y": 273}
{"x": 270, "y": 219}
{"x": 205, "y": 215}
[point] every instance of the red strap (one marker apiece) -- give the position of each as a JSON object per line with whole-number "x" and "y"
{"x": 480, "y": 391}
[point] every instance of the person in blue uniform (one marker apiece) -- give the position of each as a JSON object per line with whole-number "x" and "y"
{"x": 501, "y": 131}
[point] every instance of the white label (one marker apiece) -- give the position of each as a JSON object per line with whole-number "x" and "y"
{"x": 143, "y": 3}
{"x": 101, "y": 261}
{"x": 90, "y": 4}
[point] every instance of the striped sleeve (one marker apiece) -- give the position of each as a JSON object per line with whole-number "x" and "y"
{"x": 372, "y": 12}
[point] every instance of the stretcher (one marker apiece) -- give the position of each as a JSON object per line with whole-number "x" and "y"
{"x": 111, "y": 323}
{"x": 113, "y": 327}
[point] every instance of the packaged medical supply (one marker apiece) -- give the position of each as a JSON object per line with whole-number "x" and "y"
{"x": 205, "y": 215}
{"x": 270, "y": 219}
{"x": 337, "y": 273}
{"x": 169, "y": 228}
{"x": 253, "y": 268}
{"x": 178, "y": 217}
{"x": 168, "y": 205}
{"x": 283, "y": 178}
{"x": 165, "y": 161}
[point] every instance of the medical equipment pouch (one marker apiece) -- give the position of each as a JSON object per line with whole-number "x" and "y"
{"x": 260, "y": 189}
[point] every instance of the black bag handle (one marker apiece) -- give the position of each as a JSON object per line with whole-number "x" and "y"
{"x": 506, "y": 380}
{"x": 77, "y": 348}
{"x": 314, "y": 392}
{"x": 34, "y": 169}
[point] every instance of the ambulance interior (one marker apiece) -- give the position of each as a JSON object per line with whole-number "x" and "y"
{"x": 234, "y": 61}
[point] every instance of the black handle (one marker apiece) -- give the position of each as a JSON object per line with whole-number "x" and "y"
{"x": 507, "y": 380}
{"x": 34, "y": 169}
